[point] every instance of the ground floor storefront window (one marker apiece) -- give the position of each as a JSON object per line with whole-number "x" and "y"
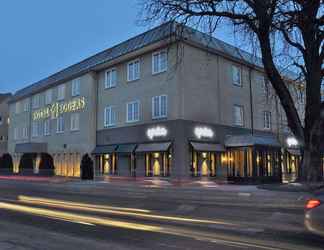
{"x": 254, "y": 163}
{"x": 107, "y": 164}
{"x": 67, "y": 164}
{"x": 157, "y": 164}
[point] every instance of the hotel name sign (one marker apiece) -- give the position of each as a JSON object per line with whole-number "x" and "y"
{"x": 56, "y": 109}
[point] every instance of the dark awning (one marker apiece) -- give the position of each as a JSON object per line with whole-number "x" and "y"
{"x": 126, "y": 148}
{"x": 251, "y": 140}
{"x": 208, "y": 147}
{"x": 32, "y": 147}
{"x": 153, "y": 147}
{"x": 106, "y": 149}
{"x": 294, "y": 151}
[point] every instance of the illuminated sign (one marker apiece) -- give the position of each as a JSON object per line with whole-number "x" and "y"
{"x": 156, "y": 132}
{"x": 56, "y": 109}
{"x": 292, "y": 142}
{"x": 201, "y": 132}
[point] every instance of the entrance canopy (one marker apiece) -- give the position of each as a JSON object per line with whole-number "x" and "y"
{"x": 294, "y": 151}
{"x": 251, "y": 140}
{"x": 207, "y": 147}
{"x": 126, "y": 148}
{"x": 153, "y": 147}
{"x": 32, "y": 147}
{"x": 106, "y": 149}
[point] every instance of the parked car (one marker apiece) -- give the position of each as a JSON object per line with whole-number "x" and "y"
{"x": 314, "y": 214}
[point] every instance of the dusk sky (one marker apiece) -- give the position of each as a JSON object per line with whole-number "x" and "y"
{"x": 40, "y": 37}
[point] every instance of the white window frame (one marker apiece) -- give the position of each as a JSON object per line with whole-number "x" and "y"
{"x": 60, "y": 130}
{"x": 235, "y": 122}
{"x": 61, "y": 92}
{"x": 36, "y": 101}
{"x": 26, "y": 105}
{"x": 160, "y": 109}
{"x": 139, "y": 70}
{"x": 47, "y": 127}
{"x": 111, "y": 82}
{"x": 75, "y": 87}
{"x": 267, "y": 120}
{"x": 239, "y": 71}
{"x": 48, "y": 96}
{"x": 75, "y": 122}
{"x": 159, "y": 69}
{"x": 24, "y": 133}
{"x": 16, "y": 133}
{"x": 110, "y": 116}
{"x": 133, "y": 113}
{"x": 35, "y": 129}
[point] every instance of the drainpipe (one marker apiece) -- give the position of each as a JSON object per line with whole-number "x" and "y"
{"x": 251, "y": 101}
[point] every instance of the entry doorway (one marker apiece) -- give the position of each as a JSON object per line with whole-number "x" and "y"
{"x": 157, "y": 164}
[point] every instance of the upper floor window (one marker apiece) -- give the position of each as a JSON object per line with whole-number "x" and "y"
{"x": 35, "y": 129}
{"x": 2, "y": 138}
{"x": 267, "y": 120}
{"x": 47, "y": 127}
{"x": 35, "y": 101}
{"x": 238, "y": 113}
{"x": 16, "y": 134}
{"x": 1, "y": 120}
{"x": 48, "y": 97}
{"x": 60, "y": 124}
{"x": 76, "y": 87}
{"x": 75, "y": 122}
{"x": 159, "y": 106}
{"x": 236, "y": 75}
{"x": 133, "y": 70}
{"x": 110, "y": 78}
{"x": 133, "y": 111}
{"x": 17, "y": 107}
{"x": 25, "y": 132}
{"x": 61, "y": 92}
{"x": 26, "y": 105}
{"x": 159, "y": 62}
{"x": 110, "y": 116}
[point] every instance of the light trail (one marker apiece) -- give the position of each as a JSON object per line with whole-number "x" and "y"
{"x": 77, "y": 218}
{"x": 102, "y": 209}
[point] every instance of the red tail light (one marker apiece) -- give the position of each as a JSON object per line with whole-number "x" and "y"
{"x": 312, "y": 203}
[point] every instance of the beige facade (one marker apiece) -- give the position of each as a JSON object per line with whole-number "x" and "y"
{"x": 198, "y": 84}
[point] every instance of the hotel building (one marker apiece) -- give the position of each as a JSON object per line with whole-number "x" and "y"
{"x": 4, "y": 122}
{"x": 171, "y": 102}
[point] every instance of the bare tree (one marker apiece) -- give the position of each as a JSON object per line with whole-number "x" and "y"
{"x": 298, "y": 25}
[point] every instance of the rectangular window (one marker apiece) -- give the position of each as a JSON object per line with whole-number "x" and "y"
{"x": 110, "y": 78}
{"x": 76, "y": 87}
{"x": 159, "y": 62}
{"x": 47, "y": 127}
{"x": 1, "y": 120}
{"x": 133, "y": 70}
{"x": 35, "y": 129}
{"x": 133, "y": 111}
{"x": 60, "y": 124}
{"x": 48, "y": 97}
{"x": 25, "y": 132}
{"x": 26, "y": 105}
{"x": 35, "y": 101}
{"x": 159, "y": 106}
{"x": 61, "y": 92}
{"x": 110, "y": 116}
{"x": 16, "y": 134}
{"x": 236, "y": 75}
{"x": 238, "y": 115}
{"x": 17, "y": 108}
{"x": 75, "y": 122}
{"x": 267, "y": 119}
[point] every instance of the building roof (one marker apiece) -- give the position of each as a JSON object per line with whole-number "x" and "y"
{"x": 152, "y": 36}
{"x": 4, "y": 96}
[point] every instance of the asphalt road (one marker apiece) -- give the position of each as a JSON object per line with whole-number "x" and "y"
{"x": 112, "y": 216}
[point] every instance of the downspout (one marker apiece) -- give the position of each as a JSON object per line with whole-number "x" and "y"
{"x": 251, "y": 101}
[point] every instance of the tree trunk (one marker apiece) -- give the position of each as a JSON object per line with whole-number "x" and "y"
{"x": 311, "y": 169}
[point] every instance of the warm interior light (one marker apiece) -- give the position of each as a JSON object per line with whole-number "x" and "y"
{"x": 312, "y": 203}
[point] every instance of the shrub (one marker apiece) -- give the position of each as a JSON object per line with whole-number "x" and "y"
{"x": 6, "y": 162}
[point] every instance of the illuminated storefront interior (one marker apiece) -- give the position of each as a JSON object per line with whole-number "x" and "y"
{"x": 206, "y": 159}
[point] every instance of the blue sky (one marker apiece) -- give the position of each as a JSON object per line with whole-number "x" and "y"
{"x": 40, "y": 37}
